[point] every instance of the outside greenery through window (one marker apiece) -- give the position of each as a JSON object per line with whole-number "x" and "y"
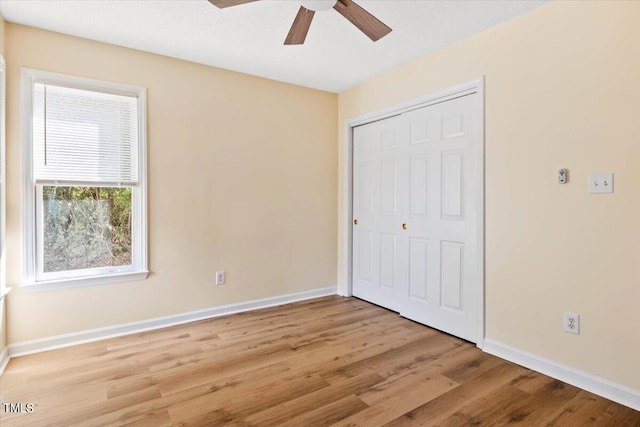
{"x": 86, "y": 227}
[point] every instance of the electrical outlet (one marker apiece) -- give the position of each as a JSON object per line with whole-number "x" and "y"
{"x": 572, "y": 323}
{"x": 219, "y": 277}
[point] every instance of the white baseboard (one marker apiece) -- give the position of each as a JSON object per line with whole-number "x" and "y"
{"x": 4, "y": 359}
{"x": 600, "y": 386}
{"x": 66, "y": 340}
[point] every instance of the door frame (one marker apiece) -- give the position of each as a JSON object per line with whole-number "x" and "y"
{"x": 345, "y": 288}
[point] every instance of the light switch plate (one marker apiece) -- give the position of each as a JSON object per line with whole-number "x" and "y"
{"x": 601, "y": 183}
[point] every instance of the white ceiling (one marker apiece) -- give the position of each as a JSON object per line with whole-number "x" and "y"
{"x": 249, "y": 38}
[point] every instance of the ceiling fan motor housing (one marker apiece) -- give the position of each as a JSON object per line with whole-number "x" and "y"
{"x": 318, "y": 5}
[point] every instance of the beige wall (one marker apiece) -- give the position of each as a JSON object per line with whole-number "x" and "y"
{"x": 561, "y": 92}
{"x": 242, "y": 178}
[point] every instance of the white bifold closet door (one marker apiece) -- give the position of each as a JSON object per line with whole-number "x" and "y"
{"x": 415, "y": 205}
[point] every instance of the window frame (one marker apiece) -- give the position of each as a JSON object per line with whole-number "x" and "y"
{"x": 4, "y": 290}
{"x": 35, "y": 280}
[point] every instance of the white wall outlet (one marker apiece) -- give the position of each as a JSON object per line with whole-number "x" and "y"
{"x": 601, "y": 183}
{"x": 219, "y": 277}
{"x": 572, "y": 323}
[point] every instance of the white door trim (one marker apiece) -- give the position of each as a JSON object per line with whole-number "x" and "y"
{"x": 346, "y": 214}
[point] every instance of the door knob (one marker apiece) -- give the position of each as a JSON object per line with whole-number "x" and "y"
{"x": 355, "y": 222}
{"x": 404, "y": 226}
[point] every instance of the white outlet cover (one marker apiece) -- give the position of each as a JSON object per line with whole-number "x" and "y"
{"x": 601, "y": 183}
{"x": 572, "y": 323}
{"x": 219, "y": 277}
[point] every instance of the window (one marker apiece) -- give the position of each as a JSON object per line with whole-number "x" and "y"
{"x": 84, "y": 181}
{"x": 3, "y": 209}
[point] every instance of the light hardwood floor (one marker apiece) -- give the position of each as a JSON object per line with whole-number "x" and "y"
{"x": 328, "y": 361}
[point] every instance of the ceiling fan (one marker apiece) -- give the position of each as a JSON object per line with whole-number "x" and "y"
{"x": 371, "y": 26}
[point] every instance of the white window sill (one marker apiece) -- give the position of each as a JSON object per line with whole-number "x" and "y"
{"x": 50, "y": 285}
{"x": 4, "y": 293}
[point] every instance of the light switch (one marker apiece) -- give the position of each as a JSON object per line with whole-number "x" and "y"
{"x": 601, "y": 183}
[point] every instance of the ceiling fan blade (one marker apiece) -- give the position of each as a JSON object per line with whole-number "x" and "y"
{"x": 228, "y": 3}
{"x": 363, "y": 20}
{"x": 300, "y": 26}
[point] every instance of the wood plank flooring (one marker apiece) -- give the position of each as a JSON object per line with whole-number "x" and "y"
{"x": 328, "y": 361}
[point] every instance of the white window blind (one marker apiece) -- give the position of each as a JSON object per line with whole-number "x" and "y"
{"x": 84, "y": 137}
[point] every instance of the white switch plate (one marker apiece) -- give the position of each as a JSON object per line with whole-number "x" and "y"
{"x": 601, "y": 183}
